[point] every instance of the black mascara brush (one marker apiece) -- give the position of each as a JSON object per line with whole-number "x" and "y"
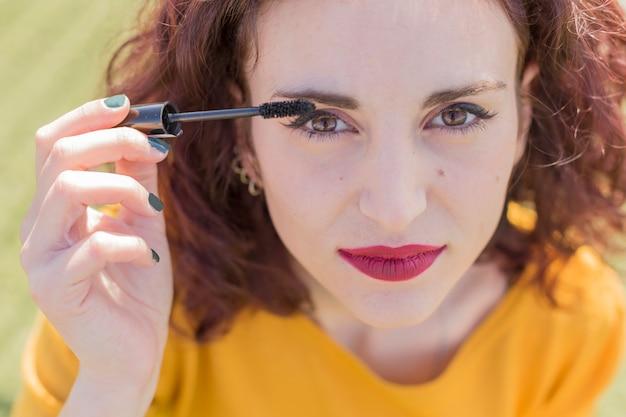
{"x": 163, "y": 120}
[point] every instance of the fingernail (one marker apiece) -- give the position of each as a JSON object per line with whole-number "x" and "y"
{"x": 155, "y": 255}
{"x": 115, "y": 101}
{"x": 158, "y": 144}
{"x": 155, "y": 202}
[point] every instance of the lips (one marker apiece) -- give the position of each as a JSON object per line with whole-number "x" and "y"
{"x": 392, "y": 264}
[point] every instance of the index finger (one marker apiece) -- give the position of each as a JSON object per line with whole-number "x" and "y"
{"x": 93, "y": 115}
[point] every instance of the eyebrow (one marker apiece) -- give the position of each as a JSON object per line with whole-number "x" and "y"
{"x": 350, "y": 103}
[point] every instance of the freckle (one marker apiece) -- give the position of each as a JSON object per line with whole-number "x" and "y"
{"x": 497, "y": 178}
{"x": 441, "y": 172}
{"x": 340, "y": 178}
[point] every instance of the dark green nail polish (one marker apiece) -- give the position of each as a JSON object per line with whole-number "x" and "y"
{"x": 115, "y": 101}
{"x": 155, "y": 255}
{"x": 158, "y": 144}
{"x": 155, "y": 202}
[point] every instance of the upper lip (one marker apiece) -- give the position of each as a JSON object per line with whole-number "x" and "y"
{"x": 405, "y": 251}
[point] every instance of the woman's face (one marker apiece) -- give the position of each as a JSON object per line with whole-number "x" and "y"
{"x": 389, "y": 166}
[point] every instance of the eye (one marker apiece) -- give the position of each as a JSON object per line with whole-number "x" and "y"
{"x": 321, "y": 124}
{"x": 460, "y": 118}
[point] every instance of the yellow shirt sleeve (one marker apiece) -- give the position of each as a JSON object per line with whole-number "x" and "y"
{"x": 594, "y": 365}
{"x": 48, "y": 371}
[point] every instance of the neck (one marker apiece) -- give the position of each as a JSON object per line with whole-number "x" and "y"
{"x": 476, "y": 291}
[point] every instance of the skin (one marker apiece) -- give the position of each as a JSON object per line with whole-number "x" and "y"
{"x": 391, "y": 175}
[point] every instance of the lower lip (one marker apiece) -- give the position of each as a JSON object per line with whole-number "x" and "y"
{"x": 393, "y": 269}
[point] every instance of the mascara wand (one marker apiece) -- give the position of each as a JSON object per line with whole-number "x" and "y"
{"x": 163, "y": 120}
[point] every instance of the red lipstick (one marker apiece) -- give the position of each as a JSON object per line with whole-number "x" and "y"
{"x": 392, "y": 264}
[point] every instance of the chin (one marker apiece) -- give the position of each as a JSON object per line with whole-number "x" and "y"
{"x": 388, "y": 311}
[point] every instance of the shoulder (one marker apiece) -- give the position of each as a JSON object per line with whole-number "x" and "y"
{"x": 187, "y": 361}
{"x": 585, "y": 283}
{"x": 588, "y": 287}
{"x": 573, "y": 351}
{"x": 591, "y": 313}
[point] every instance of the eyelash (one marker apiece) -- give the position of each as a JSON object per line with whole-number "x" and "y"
{"x": 480, "y": 122}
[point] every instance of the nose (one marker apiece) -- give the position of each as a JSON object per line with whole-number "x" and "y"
{"x": 395, "y": 187}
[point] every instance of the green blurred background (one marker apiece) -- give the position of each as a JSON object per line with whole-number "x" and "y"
{"x": 52, "y": 56}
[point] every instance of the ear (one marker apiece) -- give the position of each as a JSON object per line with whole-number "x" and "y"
{"x": 235, "y": 91}
{"x": 525, "y": 109}
{"x": 248, "y": 161}
{"x": 250, "y": 165}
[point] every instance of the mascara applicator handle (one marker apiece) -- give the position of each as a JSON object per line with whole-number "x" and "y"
{"x": 153, "y": 119}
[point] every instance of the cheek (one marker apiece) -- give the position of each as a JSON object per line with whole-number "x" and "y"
{"x": 482, "y": 160}
{"x": 298, "y": 186}
{"x": 476, "y": 177}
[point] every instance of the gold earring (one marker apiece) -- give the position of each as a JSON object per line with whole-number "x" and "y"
{"x": 243, "y": 176}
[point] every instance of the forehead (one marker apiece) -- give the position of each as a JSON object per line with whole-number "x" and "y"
{"x": 382, "y": 47}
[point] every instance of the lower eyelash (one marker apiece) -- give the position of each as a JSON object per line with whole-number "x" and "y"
{"x": 299, "y": 122}
{"x": 479, "y": 123}
{"x": 320, "y": 136}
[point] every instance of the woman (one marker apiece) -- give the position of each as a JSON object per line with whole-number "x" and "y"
{"x": 489, "y": 131}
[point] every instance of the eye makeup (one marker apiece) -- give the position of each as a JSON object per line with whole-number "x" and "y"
{"x": 479, "y": 113}
{"x": 478, "y": 121}
{"x": 301, "y": 120}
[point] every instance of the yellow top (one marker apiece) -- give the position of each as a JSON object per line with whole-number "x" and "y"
{"x": 523, "y": 359}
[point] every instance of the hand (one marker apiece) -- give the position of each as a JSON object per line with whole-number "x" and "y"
{"x": 92, "y": 275}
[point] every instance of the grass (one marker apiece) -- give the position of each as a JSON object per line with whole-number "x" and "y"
{"x": 53, "y": 54}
